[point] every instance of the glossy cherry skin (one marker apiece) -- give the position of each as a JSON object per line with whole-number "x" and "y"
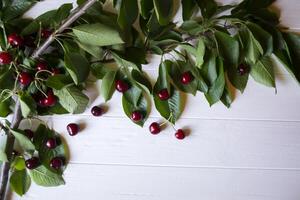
{"x": 163, "y": 94}
{"x": 5, "y": 58}
{"x": 25, "y": 78}
{"x": 15, "y": 40}
{"x": 242, "y": 69}
{"x": 154, "y": 128}
{"x": 51, "y": 143}
{"x": 180, "y": 134}
{"x": 41, "y": 66}
{"x": 56, "y": 163}
{"x": 29, "y": 133}
{"x": 187, "y": 77}
{"x": 45, "y": 33}
{"x": 73, "y": 129}
{"x": 50, "y": 100}
{"x": 121, "y": 86}
{"x": 136, "y": 116}
{"x": 97, "y": 111}
{"x": 32, "y": 163}
{"x": 55, "y": 71}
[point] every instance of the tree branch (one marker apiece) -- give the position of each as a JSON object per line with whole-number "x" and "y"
{"x": 17, "y": 117}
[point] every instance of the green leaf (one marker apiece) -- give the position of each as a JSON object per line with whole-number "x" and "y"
{"x": 237, "y": 80}
{"x": 200, "y": 52}
{"x": 20, "y": 182}
{"x": 28, "y": 105}
{"x": 95, "y": 51}
{"x": 263, "y": 72}
{"x": 108, "y": 85}
{"x": 228, "y": 47}
{"x": 18, "y": 163}
{"x": 72, "y": 99}
{"x": 215, "y": 92}
{"x": 16, "y": 8}
{"x": 5, "y": 108}
{"x": 227, "y": 97}
{"x": 209, "y": 68}
{"x": 122, "y": 62}
{"x": 62, "y": 13}
{"x": 128, "y": 13}
{"x": 44, "y": 177}
{"x": 97, "y": 34}
{"x": 23, "y": 140}
{"x": 208, "y": 7}
{"x": 59, "y": 81}
{"x": 6, "y": 78}
{"x": 164, "y": 11}
{"x": 188, "y": 8}
{"x": 77, "y": 66}
{"x": 141, "y": 79}
{"x": 3, "y": 157}
{"x": 146, "y": 6}
{"x": 263, "y": 37}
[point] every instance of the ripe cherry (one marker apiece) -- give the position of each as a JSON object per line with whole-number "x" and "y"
{"x": 73, "y": 129}
{"x": 32, "y": 163}
{"x": 25, "y": 78}
{"x": 51, "y": 143}
{"x": 5, "y": 58}
{"x": 97, "y": 111}
{"x": 121, "y": 86}
{"x": 187, "y": 77}
{"x": 242, "y": 69}
{"x": 50, "y": 100}
{"x": 136, "y": 116}
{"x": 15, "y": 40}
{"x": 56, "y": 163}
{"x": 163, "y": 94}
{"x": 55, "y": 71}
{"x": 154, "y": 128}
{"x": 180, "y": 134}
{"x": 29, "y": 133}
{"x": 41, "y": 66}
{"x": 45, "y": 33}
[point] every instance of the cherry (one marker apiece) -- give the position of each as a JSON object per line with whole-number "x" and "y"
{"x": 25, "y": 78}
{"x": 136, "y": 116}
{"x": 56, "y": 163}
{"x": 29, "y": 133}
{"x": 187, "y": 77}
{"x": 163, "y": 94}
{"x": 5, "y": 58}
{"x": 121, "y": 86}
{"x": 242, "y": 69}
{"x": 180, "y": 135}
{"x": 73, "y": 129}
{"x": 51, "y": 143}
{"x": 154, "y": 128}
{"x": 15, "y": 40}
{"x": 29, "y": 41}
{"x": 32, "y": 163}
{"x": 55, "y": 71}
{"x": 41, "y": 66}
{"x": 50, "y": 100}
{"x": 45, "y": 33}
{"x": 97, "y": 111}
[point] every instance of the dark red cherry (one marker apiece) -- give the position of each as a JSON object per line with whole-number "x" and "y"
{"x": 29, "y": 133}
{"x": 163, "y": 94}
{"x": 186, "y": 78}
{"x": 25, "y": 78}
{"x": 55, "y": 71}
{"x": 154, "y": 128}
{"x": 73, "y": 129}
{"x": 180, "y": 134}
{"x": 45, "y": 33}
{"x": 136, "y": 116}
{"x": 32, "y": 163}
{"x": 15, "y": 40}
{"x": 5, "y": 58}
{"x": 51, "y": 143}
{"x": 50, "y": 100}
{"x": 121, "y": 86}
{"x": 41, "y": 66}
{"x": 56, "y": 163}
{"x": 242, "y": 69}
{"x": 97, "y": 111}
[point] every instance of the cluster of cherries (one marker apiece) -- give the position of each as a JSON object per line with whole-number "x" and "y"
{"x": 51, "y": 143}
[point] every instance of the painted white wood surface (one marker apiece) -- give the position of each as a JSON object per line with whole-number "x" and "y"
{"x": 248, "y": 152}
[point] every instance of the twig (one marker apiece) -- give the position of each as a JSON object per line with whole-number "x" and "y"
{"x": 17, "y": 117}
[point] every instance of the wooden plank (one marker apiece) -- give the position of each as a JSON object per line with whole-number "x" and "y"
{"x": 212, "y": 143}
{"x": 158, "y": 183}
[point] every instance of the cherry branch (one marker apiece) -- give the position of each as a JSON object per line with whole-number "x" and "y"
{"x": 17, "y": 116}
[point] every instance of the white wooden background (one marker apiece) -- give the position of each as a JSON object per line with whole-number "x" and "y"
{"x": 249, "y": 152}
